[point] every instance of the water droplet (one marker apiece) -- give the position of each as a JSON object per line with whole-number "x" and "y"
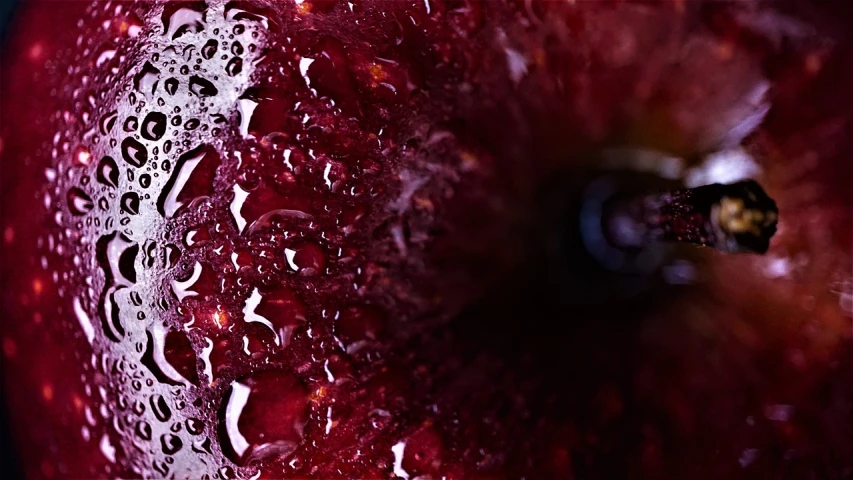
{"x": 79, "y": 202}
{"x": 181, "y": 288}
{"x": 131, "y": 124}
{"x": 133, "y": 24}
{"x": 170, "y": 443}
{"x": 306, "y": 258}
{"x": 107, "y": 122}
{"x": 130, "y": 203}
{"x": 398, "y": 450}
{"x": 161, "y": 467}
{"x": 85, "y": 321}
{"x": 192, "y": 124}
{"x": 234, "y": 66}
{"x": 146, "y": 80}
{"x": 304, "y": 65}
{"x": 278, "y": 308}
{"x": 203, "y": 446}
{"x": 110, "y": 315}
{"x": 171, "y": 85}
{"x": 155, "y": 359}
{"x": 171, "y": 255}
{"x": 264, "y": 111}
{"x": 204, "y": 356}
{"x": 181, "y": 20}
{"x": 359, "y": 324}
{"x": 236, "y": 207}
{"x": 187, "y": 55}
{"x": 107, "y": 449}
{"x": 196, "y": 237}
{"x": 192, "y": 178}
{"x": 154, "y": 126}
{"x": 237, "y": 48}
{"x": 143, "y": 430}
{"x": 105, "y": 57}
{"x": 82, "y": 156}
{"x": 256, "y": 208}
{"x": 108, "y": 172}
{"x": 194, "y": 426}
{"x": 209, "y": 49}
{"x": 160, "y": 408}
{"x": 236, "y": 11}
{"x": 117, "y": 255}
{"x": 133, "y": 152}
{"x": 247, "y": 108}
{"x": 264, "y": 416}
{"x": 202, "y": 87}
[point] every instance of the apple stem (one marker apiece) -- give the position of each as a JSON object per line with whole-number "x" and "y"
{"x": 734, "y": 218}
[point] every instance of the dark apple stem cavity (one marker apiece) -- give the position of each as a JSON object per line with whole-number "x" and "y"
{"x": 734, "y": 218}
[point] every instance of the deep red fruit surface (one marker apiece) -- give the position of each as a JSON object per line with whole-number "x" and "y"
{"x": 305, "y": 240}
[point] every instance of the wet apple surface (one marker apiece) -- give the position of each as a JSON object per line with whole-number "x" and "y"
{"x": 331, "y": 239}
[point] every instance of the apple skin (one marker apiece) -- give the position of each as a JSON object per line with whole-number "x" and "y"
{"x": 379, "y": 294}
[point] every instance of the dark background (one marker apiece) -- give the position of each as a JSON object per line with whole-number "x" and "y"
{"x": 9, "y": 468}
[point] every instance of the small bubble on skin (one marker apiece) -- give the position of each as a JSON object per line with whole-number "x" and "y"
{"x": 8, "y": 235}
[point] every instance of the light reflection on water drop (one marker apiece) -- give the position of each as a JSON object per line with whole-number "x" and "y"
{"x": 264, "y": 416}
{"x": 247, "y": 108}
{"x": 181, "y": 289}
{"x": 192, "y": 178}
{"x": 398, "y": 450}
{"x": 85, "y": 321}
{"x": 236, "y": 402}
{"x": 205, "y": 358}
{"x": 250, "y": 316}
{"x": 236, "y": 207}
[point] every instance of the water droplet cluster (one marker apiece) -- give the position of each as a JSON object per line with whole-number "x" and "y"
{"x": 238, "y": 194}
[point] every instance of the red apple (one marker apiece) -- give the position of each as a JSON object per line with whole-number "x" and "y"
{"x": 327, "y": 239}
